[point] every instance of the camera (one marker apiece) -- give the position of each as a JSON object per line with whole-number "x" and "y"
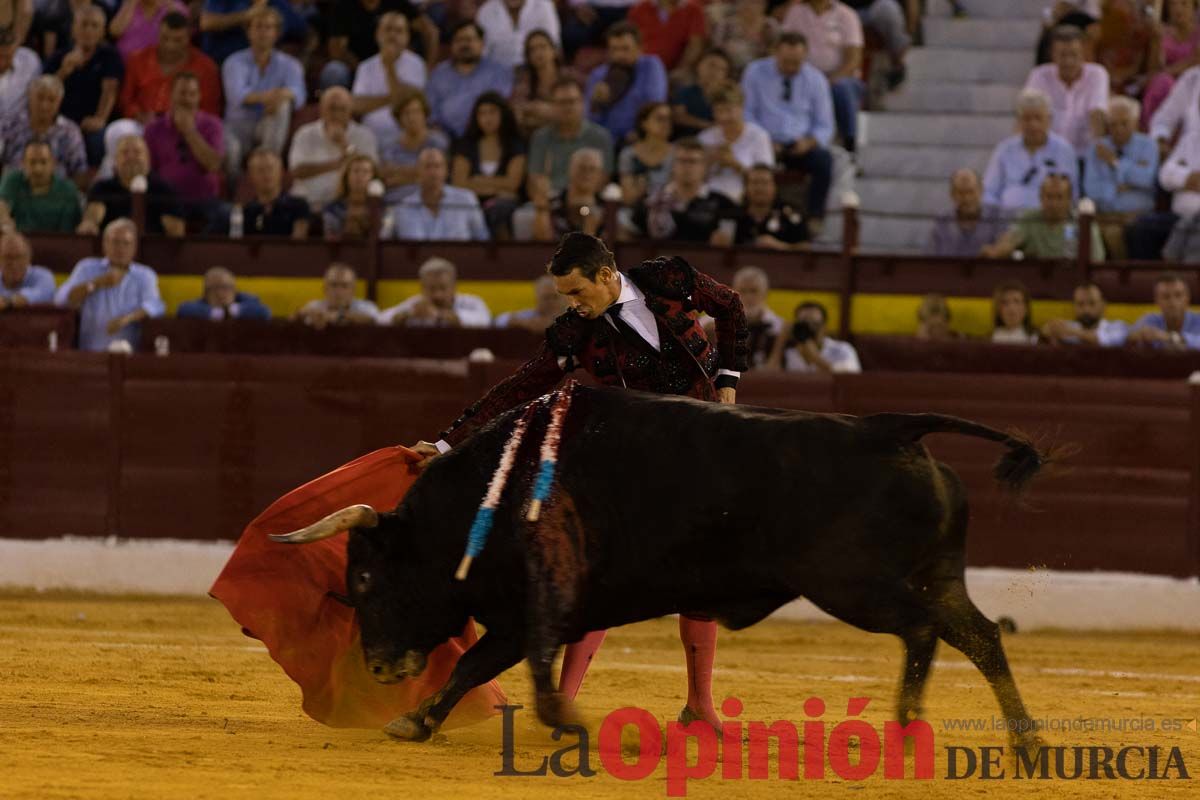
{"x": 802, "y": 331}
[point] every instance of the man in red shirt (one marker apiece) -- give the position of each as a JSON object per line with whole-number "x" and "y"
{"x": 149, "y": 72}
{"x": 673, "y": 30}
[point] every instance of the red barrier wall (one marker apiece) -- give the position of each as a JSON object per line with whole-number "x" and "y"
{"x": 194, "y": 446}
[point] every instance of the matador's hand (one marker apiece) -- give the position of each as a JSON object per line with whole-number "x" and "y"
{"x": 727, "y": 395}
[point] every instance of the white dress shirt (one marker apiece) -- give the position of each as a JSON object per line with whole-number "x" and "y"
{"x": 369, "y": 80}
{"x": 504, "y": 41}
{"x": 752, "y": 147}
{"x": 1173, "y": 174}
{"x": 842, "y": 357}
{"x": 1182, "y": 107}
{"x": 1072, "y": 104}
{"x": 472, "y": 312}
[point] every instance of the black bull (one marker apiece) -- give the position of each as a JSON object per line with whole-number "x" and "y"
{"x": 665, "y": 505}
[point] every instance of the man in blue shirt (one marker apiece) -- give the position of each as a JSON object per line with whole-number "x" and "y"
{"x": 617, "y": 90}
{"x": 222, "y": 300}
{"x": 114, "y": 294}
{"x": 21, "y": 283}
{"x": 1173, "y": 326}
{"x": 790, "y": 99}
{"x": 456, "y": 83}
{"x": 435, "y": 211}
{"x": 224, "y": 24}
{"x": 262, "y": 85}
{"x": 1022, "y": 162}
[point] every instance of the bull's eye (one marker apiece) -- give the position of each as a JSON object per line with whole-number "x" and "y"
{"x": 363, "y": 581}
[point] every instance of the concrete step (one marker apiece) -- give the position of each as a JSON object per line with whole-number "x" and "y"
{"x": 990, "y": 9}
{"x": 921, "y": 161}
{"x": 893, "y": 234}
{"x": 969, "y": 65}
{"x": 988, "y": 34}
{"x": 964, "y": 98}
{"x": 903, "y": 196}
{"x": 955, "y": 130}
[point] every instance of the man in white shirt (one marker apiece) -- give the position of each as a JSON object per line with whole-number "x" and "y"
{"x": 18, "y": 66}
{"x": 1180, "y": 175}
{"x": 439, "y": 305}
{"x": 1181, "y": 109}
{"x": 382, "y": 79}
{"x": 506, "y": 23}
{"x": 735, "y": 144}
{"x": 1089, "y": 325}
{"x": 809, "y": 350}
{"x": 320, "y": 149}
{"x": 1078, "y": 91}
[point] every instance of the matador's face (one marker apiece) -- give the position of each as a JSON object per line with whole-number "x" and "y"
{"x": 587, "y": 297}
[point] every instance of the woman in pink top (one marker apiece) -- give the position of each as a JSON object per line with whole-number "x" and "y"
{"x": 135, "y": 27}
{"x": 1178, "y": 50}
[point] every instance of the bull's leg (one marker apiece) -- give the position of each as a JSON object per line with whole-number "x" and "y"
{"x": 919, "y": 646}
{"x": 964, "y": 627}
{"x": 491, "y": 655}
{"x": 543, "y": 627}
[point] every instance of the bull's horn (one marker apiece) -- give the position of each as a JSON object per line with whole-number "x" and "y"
{"x": 360, "y": 516}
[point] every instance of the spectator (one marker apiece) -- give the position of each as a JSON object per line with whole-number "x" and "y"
{"x": 508, "y": 23}
{"x": 91, "y": 73}
{"x": 339, "y": 306}
{"x": 1173, "y": 326}
{"x": 456, "y": 83}
{"x": 533, "y": 87}
{"x": 262, "y": 85}
{"x": 1079, "y": 14}
{"x": 734, "y": 144}
{"x": 1089, "y": 325}
{"x": 971, "y": 227}
{"x": 490, "y": 161}
{"x": 33, "y": 199}
{"x": 187, "y": 146}
{"x": 685, "y": 210}
{"x": 1120, "y": 174}
{"x": 1012, "y": 320}
{"x": 1180, "y": 175}
{"x": 808, "y": 348}
{"x": 19, "y": 18}
{"x": 895, "y": 26}
{"x": 1078, "y": 92}
{"x": 692, "y": 107}
{"x": 549, "y": 306}
{"x": 577, "y": 207}
{"x": 113, "y": 294}
{"x": 150, "y": 73}
{"x": 1179, "y": 114}
{"x": 42, "y": 122}
{"x": 743, "y": 30}
{"x": 551, "y": 148}
{"x": 1178, "y": 50}
{"x": 588, "y": 20}
{"x": 835, "y": 46}
{"x": 112, "y": 198}
{"x": 18, "y": 67}
{"x": 933, "y": 320}
{"x": 399, "y": 155}
{"x": 673, "y": 31}
{"x": 387, "y": 77}
{"x": 1021, "y": 163}
{"x": 764, "y": 325}
{"x": 21, "y": 282}
{"x": 349, "y": 216}
{"x": 1124, "y": 43}
{"x": 439, "y": 304}
{"x": 766, "y": 221}
{"x": 1051, "y": 231}
{"x": 628, "y": 80}
{"x": 227, "y": 26}
{"x": 321, "y": 148}
{"x": 137, "y": 25}
{"x": 790, "y": 100}
{"x": 435, "y": 211}
{"x": 352, "y": 38}
{"x": 222, "y": 300}
{"x": 272, "y": 212}
{"x": 645, "y": 165}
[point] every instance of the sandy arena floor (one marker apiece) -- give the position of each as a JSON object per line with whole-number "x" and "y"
{"x": 153, "y": 698}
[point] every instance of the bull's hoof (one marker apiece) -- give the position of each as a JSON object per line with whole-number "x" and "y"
{"x": 555, "y": 709}
{"x": 408, "y": 728}
{"x": 687, "y": 716}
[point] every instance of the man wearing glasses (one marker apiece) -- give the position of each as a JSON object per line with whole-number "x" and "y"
{"x": 790, "y": 99}
{"x": 551, "y": 147}
{"x": 1022, "y": 162}
{"x": 339, "y": 306}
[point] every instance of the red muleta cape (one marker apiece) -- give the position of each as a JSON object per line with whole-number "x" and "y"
{"x": 279, "y": 594}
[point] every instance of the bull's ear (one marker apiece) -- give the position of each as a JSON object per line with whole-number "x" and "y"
{"x": 360, "y": 516}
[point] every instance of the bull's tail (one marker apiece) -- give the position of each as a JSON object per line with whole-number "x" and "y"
{"x": 1019, "y": 464}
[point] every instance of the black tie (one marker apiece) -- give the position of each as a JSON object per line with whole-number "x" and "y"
{"x": 614, "y": 313}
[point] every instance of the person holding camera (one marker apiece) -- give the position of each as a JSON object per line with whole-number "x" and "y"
{"x": 808, "y": 349}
